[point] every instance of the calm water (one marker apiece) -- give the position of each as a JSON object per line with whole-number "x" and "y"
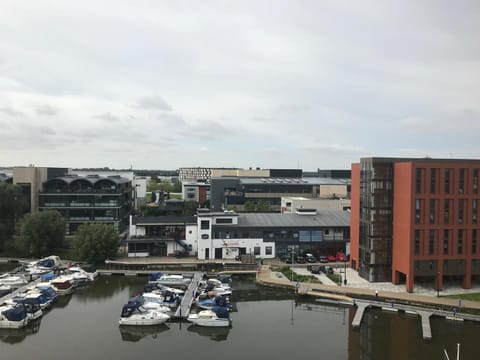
{"x": 266, "y": 323}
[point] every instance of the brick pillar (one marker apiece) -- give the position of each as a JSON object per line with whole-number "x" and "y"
{"x": 395, "y": 277}
{"x": 439, "y": 276}
{"x": 467, "y": 277}
{"x": 409, "y": 284}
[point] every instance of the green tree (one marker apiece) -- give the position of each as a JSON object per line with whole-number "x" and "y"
{"x": 12, "y": 206}
{"x": 39, "y": 233}
{"x": 96, "y": 242}
{"x": 190, "y": 208}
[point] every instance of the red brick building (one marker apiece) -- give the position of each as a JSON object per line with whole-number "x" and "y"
{"x": 416, "y": 220}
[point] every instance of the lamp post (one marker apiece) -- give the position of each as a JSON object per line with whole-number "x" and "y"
{"x": 345, "y": 274}
{"x": 438, "y": 284}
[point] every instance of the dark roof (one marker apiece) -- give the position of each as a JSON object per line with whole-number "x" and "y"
{"x": 424, "y": 159}
{"x": 165, "y": 220}
{"x": 336, "y": 218}
{"x": 117, "y": 179}
{"x": 292, "y": 181}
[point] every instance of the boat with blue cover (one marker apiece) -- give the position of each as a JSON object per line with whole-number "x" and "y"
{"x": 13, "y": 317}
{"x": 135, "y": 314}
{"x": 219, "y": 301}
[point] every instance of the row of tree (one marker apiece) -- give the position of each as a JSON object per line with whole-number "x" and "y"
{"x": 40, "y": 234}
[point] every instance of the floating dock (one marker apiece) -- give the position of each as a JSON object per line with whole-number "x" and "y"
{"x": 183, "y": 309}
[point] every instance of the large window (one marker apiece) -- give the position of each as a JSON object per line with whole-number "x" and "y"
{"x": 474, "y": 241}
{"x": 418, "y": 181}
{"x": 447, "y": 181}
{"x": 268, "y": 250}
{"x": 205, "y": 225}
{"x": 256, "y": 250}
{"x": 431, "y": 242}
{"x": 460, "y": 242}
{"x": 417, "y": 242}
{"x": 433, "y": 181}
{"x": 461, "y": 181}
{"x": 432, "y": 211}
{"x": 417, "y": 211}
{"x": 475, "y": 181}
{"x": 474, "y": 211}
{"x": 446, "y": 211}
{"x": 445, "y": 242}
{"x": 224, "y": 221}
{"x": 460, "y": 211}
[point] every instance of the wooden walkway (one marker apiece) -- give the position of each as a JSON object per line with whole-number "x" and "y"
{"x": 18, "y": 291}
{"x": 183, "y": 309}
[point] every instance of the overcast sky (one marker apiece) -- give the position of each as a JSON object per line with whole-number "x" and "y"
{"x": 168, "y": 84}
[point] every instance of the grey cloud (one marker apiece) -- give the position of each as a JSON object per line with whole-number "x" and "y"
{"x": 108, "y": 117}
{"x": 11, "y": 112}
{"x": 46, "y": 110}
{"x": 153, "y": 103}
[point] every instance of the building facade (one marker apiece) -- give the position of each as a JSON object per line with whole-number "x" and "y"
{"x": 416, "y": 220}
{"x": 89, "y": 199}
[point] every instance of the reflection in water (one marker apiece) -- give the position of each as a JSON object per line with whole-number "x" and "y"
{"x": 62, "y": 301}
{"x": 136, "y": 333}
{"x": 14, "y": 336}
{"x": 214, "y": 333}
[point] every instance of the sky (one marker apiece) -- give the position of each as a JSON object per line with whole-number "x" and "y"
{"x": 271, "y": 84}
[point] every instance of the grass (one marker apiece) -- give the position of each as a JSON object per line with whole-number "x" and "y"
{"x": 335, "y": 278}
{"x": 472, "y": 297}
{"x": 300, "y": 278}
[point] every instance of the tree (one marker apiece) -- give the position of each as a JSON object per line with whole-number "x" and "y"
{"x": 39, "y": 233}
{"x": 95, "y": 243}
{"x": 12, "y": 206}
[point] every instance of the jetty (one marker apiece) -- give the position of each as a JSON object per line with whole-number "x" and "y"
{"x": 184, "y": 307}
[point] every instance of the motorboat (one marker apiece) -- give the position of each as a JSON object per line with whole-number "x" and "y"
{"x": 212, "y": 290}
{"x": 13, "y": 317}
{"x": 136, "y": 314}
{"x": 36, "y": 296}
{"x": 217, "y": 316}
{"x": 165, "y": 298}
{"x": 62, "y": 284}
{"x": 149, "y": 305}
{"x": 13, "y": 281}
{"x": 79, "y": 276}
{"x": 217, "y": 301}
{"x": 42, "y": 266}
{"x": 47, "y": 290}
{"x": 173, "y": 280}
{"x": 31, "y": 305}
{"x": 5, "y": 289}
{"x": 155, "y": 286}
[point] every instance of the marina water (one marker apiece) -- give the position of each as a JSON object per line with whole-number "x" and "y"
{"x": 267, "y": 323}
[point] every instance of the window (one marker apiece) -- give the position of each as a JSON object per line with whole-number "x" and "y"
{"x": 475, "y": 181}
{"x": 268, "y": 250}
{"x": 431, "y": 242}
{"x": 205, "y": 236}
{"x": 474, "y": 211}
{"x": 417, "y": 211}
{"x": 433, "y": 181}
{"x": 474, "y": 241}
{"x": 432, "y": 211}
{"x": 461, "y": 181}
{"x": 460, "y": 211}
{"x": 417, "y": 242}
{"x": 418, "y": 181}
{"x": 304, "y": 236}
{"x": 445, "y": 242}
{"x": 224, "y": 221}
{"x": 446, "y": 211}
{"x": 256, "y": 250}
{"x": 447, "y": 181}
{"x": 460, "y": 242}
{"x": 205, "y": 225}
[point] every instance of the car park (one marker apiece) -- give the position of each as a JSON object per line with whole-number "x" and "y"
{"x": 341, "y": 256}
{"x": 331, "y": 258}
{"x": 310, "y": 258}
{"x": 300, "y": 260}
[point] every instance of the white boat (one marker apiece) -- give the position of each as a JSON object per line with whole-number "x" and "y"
{"x": 173, "y": 280}
{"x": 215, "y": 317}
{"x": 164, "y": 298}
{"x": 136, "y": 314}
{"x": 149, "y": 305}
{"x": 13, "y": 317}
{"x": 62, "y": 284}
{"x": 30, "y": 304}
{"x": 152, "y": 286}
{"x": 12, "y": 280}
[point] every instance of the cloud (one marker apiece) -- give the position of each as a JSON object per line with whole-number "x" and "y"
{"x": 11, "y": 112}
{"x": 46, "y": 110}
{"x": 108, "y": 117}
{"x": 153, "y": 103}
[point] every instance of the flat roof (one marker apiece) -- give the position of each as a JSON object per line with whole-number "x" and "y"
{"x": 292, "y": 181}
{"x": 164, "y": 220}
{"x": 326, "y": 218}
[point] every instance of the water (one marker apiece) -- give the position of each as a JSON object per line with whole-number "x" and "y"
{"x": 266, "y": 323}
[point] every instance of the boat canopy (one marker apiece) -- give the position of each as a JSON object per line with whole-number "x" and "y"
{"x": 221, "y": 312}
{"x": 16, "y": 313}
{"x": 48, "y": 276}
{"x": 155, "y": 276}
{"x": 130, "y": 308}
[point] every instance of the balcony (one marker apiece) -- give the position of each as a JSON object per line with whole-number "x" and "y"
{"x": 54, "y": 204}
{"x": 104, "y": 218}
{"x": 80, "y": 204}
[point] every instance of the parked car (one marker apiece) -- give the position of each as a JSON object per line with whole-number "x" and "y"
{"x": 310, "y": 258}
{"x": 326, "y": 269}
{"x": 341, "y": 256}
{"x": 315, "y": 269}
{"x": 323, "y": 259}
{"x": 300, "y": 260}
{"x": 331, "y": 258}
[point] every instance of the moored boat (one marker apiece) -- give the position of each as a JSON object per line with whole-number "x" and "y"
{"x": 217, "y": 316}
{"x": 13, "y": 317}
{"x": 136, "y": 314}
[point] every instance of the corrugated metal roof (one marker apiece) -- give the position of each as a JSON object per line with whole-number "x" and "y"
{"x": 292, "y": 181}
{"x": 324, "y": 218}
{"x": 165, "y": 220}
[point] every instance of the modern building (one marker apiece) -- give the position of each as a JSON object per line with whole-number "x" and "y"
{"x": 162, "y": 236}
{"x": 89, "y": 199}
{"x": 224, "y": 235}
{"x": 198, "y": 191}
{"x": 30, "y": 180}
{"x": 234, "y": 192}
{"x": 290, "y": 204}
{"x": 206, "y": 174}
{"x": 416, "y": 220}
